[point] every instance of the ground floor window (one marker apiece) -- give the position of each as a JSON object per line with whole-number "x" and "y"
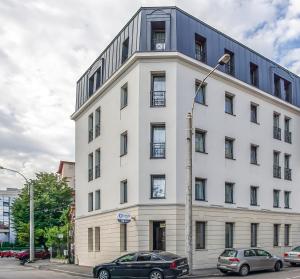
{"x": 159, "y": 235}
{"x": 97, "y": 238}
{"x": 123, "y": 237}
{"x": 276, "y": 235}
{"x": 200, "y": 235}
{"x": 287, "y": 235}
{"x": 254, "y": 228}
{"x": 229, "y": 235}
{"x": 90, "y": 240}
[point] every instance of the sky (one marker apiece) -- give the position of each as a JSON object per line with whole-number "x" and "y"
{"x": 46, "y": 45}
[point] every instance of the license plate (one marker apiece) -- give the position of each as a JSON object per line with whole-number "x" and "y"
{"x": 184, "y": 270}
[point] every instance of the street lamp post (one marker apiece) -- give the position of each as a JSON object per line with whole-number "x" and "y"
{"x": 31, "y": 214}
{"x": 189, "y": 168}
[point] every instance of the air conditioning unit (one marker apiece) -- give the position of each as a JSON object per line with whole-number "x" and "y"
{"x": 160, "y": 46}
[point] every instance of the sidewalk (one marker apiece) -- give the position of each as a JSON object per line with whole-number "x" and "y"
{"x": 86, "y": 271}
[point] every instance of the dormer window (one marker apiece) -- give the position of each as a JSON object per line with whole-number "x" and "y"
{"x": 158, "y": 35}
{"x": 125, "y": 46}
{"x": 200, "y": 48}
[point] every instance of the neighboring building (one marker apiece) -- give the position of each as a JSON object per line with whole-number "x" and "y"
{"x": 7, "y": 197}
{"x": 130, "y": 117}
{"x": 67, "y": 170}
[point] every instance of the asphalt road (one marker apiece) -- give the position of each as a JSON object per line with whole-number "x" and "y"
{"x": 11, "y": 269}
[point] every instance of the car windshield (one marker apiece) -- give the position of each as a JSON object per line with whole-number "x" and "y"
{"x": 296, "y": 249}
{"x": 229, "y": 253}
{"x": 168, "y": 256}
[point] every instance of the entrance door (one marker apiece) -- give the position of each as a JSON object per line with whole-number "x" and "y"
{"x": 159, "y": 235}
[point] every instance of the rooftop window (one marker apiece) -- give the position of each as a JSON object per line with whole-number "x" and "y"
{"x": 158, "y": 35}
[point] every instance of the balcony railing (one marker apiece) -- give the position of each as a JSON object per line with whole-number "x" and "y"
{"x": 288, "y": 136}
{"x": 276, "y": 171}
{"x": 229, "y": 68}
{"x": 97, "y": 171}
{"x": 97, "y": 130}
{"x": 158, "y": 44}
{"x": 200, "y": 55}
{"x": 277, "y": 133}
{"x": 90, "y": 173}
{"x": 287, "y": 174}
{"x": 158, "y": 150}
{"x": 90, "y": 135}
{"x": 158, "y": 98}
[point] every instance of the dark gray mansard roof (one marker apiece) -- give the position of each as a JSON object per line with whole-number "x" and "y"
{"x": 180, "y": 30}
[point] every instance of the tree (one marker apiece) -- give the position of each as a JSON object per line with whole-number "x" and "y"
{"x": 52, "y": 198}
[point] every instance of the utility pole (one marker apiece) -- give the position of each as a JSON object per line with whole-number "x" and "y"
{"x": 31, "y": 213}
{"x": 189, "y": 168}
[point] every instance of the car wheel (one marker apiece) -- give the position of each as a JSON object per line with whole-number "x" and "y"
{"x": 156, "y": 274}
{"x": 244, "y": 270}
{"x": 103, "y": 274}
{"x": 277, "y": 266}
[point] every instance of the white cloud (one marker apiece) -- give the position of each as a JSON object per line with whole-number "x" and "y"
{"x": 45, "y": 46}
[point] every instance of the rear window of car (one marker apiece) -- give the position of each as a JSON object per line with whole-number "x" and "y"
{"x": 296, "y": 249}
{"x": 168, "y": 256}
{"x": 229, "y": 253}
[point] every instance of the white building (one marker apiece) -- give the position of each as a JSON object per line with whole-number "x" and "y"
{"x": 7, "y": 197}
{"x": 131, "y": 144}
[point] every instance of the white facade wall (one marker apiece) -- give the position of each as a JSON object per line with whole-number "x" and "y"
{"x": 137, "y": 166}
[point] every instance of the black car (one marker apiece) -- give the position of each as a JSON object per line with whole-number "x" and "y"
{"x": 153, "y": 265}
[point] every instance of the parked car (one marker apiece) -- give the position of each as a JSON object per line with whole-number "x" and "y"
{"x": 243, "y": 261}
{"x": 292, "y": 257}
{"x": 23, "y": 256}
{"x": 153, "y": 265}
{"x": 6, "y": 253}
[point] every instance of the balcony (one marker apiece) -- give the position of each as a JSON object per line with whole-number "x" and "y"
{"x": 158, "y": 150}
{"x": 97, "y": 130}
{"x": 287, "y": 136}
{"x": 287, "y": 174}
{"x": 91, "y": 135}
{"x": 90, "y": 173}
{"x": 277, "y": 133}
{"x": 97, "y": 171}
{"x": 158, "y": 98}
{"x": 276, "y": 171}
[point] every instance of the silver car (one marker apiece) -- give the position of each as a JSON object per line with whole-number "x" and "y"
{"x": 293, "y": 257}
{"x": 243, "y": 261}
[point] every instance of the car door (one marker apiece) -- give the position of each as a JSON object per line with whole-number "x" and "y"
{"x": 252, "y": 259}
{"x": 142, "y": 266}
{"x": 123, "y": 266}
{"x": 265, "y": 259}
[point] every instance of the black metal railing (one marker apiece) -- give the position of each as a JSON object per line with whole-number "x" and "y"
{"x": 158, "y": 150}
{"x": 200, "y": 55}
{"x": 277, "y": 133}
{"x": 287, "y": 174}
{"x": 276, "y": 171}
{"x": 90, "y": 173}
{"x": 91, "y": 135}
{"x": 158, "y": 98}
{"x": 158, "y": 44}
{"x": 97, "y": 171}
{"x": 229, "y": 68}
{"x": 288, "y": 136}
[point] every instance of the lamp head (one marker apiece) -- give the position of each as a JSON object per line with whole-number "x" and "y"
{"x": 224, "y": 59}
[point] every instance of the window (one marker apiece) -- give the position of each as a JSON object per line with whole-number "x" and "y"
{"x": 229, "y": 103}
{"x": 229, "y": 148}
{"x": 97, "y": 238}
{"x": 97, "y": 120}
{"x": 200, "y": 48}
{"x": 287, "y": 86}
{"x": 91, "y": 85}
{"x": 97, "y": 199}
{"x": 229, "y": 187}
{"x": 91, "y": 162}
{"x": 144, "y": 257}
{"x": 229, "y": 235}
{"x": 262, "y": 253}
{"x": 128, "y": 258}
{"x": 287, "y": 169}
{"x": 158, "y": 186}
{"x": 158, "y": 141}
{"x": 249, "y": 253}
{"x": 287, "y": 132}
{"x": 200, "y": 235}
{"x": 125, "y": 46}
{"x": 253, "y": 154}
{"x": 253, "y": 195}
{"x": 277, "y": 91}
{"x": 200, "y": 141}
{"x": 254, "y": 228}
{"x": 124, "y": 143}
{"x": 276, "y": 166}
{"x": 276, "y": 229}
{"x": 287, "y": 195}
{"x": 253, "y": 115}
{"x": 97, "y": 163}
{"x": 90, "y": 127}
{"x": 229, "y": 67}
{"x": 287, "y": 228}
{"x": 123, "y": 237}
{"x": 276, "y": 194}
{"x": 200, "y": 93}
{"x": 158, "y": 90}
{"x": 158, "y": 35}
{"x": 98, "y": 77}
{"x": 200, "y": 189}
{"x": 254, "y": 74}
{"x": 90, "y": 240}
{"x": 124, "y": 96}
{"x": 90, "y": 202}
{"x": 276, "y": 127}
{"x": 123, "y": 191}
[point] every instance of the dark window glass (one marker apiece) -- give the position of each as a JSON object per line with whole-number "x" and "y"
{"x": 229, "y": 235}
{"x": 158, "y": 141}
{"x": 229, "y": 253}
{"x": 277, "y": 91}
{"x": 125, "y": 46}
{"x": 276, "y": 194}
{"x": 127, "y": 258}
{"x": 97, "y": 163}
{"x": 254, "y": 74}
{"x": 253, "y": 155}
{"x": 123, "y": 243}
{"x": 124, "y": 96}
{"x": 287, "y": 235}
{"x": 249, "y": 253}
{"x": 90, "y": 240}
{"x": 287, "y": 169}
{"x": 158, "y": 186}
{"x": 254, "y": 228}
{"x": 287, "y": 91}
{"x": 200, "y": 189}
{"x": 144, "y": 257}
{"x": 229, "y": 148}
{"x": 287, "y": 195}
{"x": 200, "y": 235}
{"x": 276, "y": 166}
{"x": 253, "y": 195}
{"x": 229, "y": 67}
{"x": 123, "y": 192}
{"x": 90, "y": 127}
{"x": 97, "y": 121}
{"x": 229, "y": 188}
{"x": 158, "y": 90}
{"x": 90, "y": 202}
{"x": 287, "y": 132}
{"x": 200, "y": 93}
{"x": 200, "y": 48}
{"x": 276, "y": 235}
{"x": 91, "y": 85}
{"x": 124, "y": 143}
{"x": 97, "y": 200}
{"x": 97, "y": 238}
{"x": 229, "y": 103}
{"x": 276, "y": 127}
{"x": 158, "y": 36}
{"x": 253, "y": 115}
{"x": 200, "y": 137}
{"x": 98, "y": 77}
{"x": 90, "y": 166}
